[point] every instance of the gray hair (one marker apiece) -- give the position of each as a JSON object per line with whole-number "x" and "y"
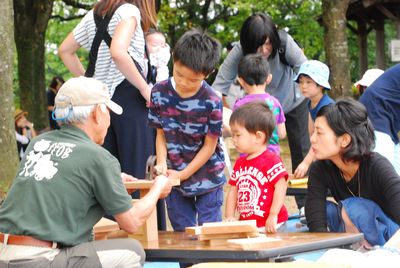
{"x": 73, "y": 114}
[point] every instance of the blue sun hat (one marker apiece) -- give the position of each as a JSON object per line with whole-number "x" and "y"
{"x": 318, "y": 71}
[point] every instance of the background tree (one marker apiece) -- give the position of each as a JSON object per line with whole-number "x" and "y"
{"x": 31, "y": 18}
{"x": 8, "y": 149}
{"x": 336, "y": 46}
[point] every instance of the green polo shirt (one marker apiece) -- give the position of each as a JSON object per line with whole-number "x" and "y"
{"x": 64, "y": 185}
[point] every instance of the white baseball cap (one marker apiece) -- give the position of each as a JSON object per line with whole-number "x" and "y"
{"x": 369, "y": 77}
{"x": 84, "y": 91}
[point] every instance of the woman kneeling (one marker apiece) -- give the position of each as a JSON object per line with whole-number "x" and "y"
{"x": 364, "y": 184}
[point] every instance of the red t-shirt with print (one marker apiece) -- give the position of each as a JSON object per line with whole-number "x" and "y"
{"x": 255, "y": 180}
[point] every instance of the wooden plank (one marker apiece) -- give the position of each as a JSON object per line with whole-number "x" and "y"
{"x": 203, "y": 237}
{"x": 105, "y": 226}
{"x": 149, "y": 230}
{"x": 302, "y": 181}
{"x": 145, "y": 184}
{"x": 251, "y": 243}
{"x": 231, "y": 223}
{"x": 223, "y": 228}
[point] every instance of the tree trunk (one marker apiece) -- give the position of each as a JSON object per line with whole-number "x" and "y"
{"x": 8, "y": 147}
{"x": 380, "y": 44}
{"x": 336, "y": 47}
{"x": 31, "y": 19}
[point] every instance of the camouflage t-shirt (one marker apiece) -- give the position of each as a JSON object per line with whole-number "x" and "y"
{"x": 186, "y": 122}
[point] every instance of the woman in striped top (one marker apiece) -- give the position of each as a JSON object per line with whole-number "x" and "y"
{"x": 121, "y": 66}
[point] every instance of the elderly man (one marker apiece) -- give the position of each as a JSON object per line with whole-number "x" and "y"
{"x": 66, "y": 182}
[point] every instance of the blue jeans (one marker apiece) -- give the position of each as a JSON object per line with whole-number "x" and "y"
{"x": 366, "y": 215}
{"x": 184, "y": 211}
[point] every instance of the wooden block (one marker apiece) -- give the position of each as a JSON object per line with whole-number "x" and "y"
{"x": 293, "y": 182}
{"x": 149, "y": 230}
{"x": 251, "y": 243}
{"x": 217, "y": 242}
{"x": 105, "y": 226}
{"x": 231, "y": 223}
{"x": 193, "y": 230}
{"x": 223, "y": 228}
{"x": 145, "y": 184}
{"x": 203, "y": 237}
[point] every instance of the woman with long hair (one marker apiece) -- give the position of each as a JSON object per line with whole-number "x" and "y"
{"x": 122, "y": 68}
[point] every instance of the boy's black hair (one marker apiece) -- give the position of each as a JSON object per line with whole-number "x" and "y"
{"x": 254, "y": 116}
{"x": 253, "y": 69}
{"x": 197, "y": 51}
{"x": 306, "y": 75}
{"x": 255, "y": 31}
{"x": 350, "y": 116}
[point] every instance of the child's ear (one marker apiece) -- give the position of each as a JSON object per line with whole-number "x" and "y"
{"x": 261, "y": 137}
{"x": 269, "y": 79}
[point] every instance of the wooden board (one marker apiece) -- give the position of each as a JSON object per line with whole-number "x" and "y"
{"x": 203, "y": 237}
{"x": 251, "y": 243}
{"x": 105, "y": 225}
{"x": 223, "y": 228}
{"x": 145, "y": 184}
{"x": 302, "y": 181}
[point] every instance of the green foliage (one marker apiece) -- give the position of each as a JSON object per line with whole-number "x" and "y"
{"x": 57, "y": 30}
{"x": 390, "y": 33}
{"x": 223, "y": 20}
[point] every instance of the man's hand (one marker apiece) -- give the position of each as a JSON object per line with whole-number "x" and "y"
{"x": 162, "y": 182}
{"x": 126, "y": 177}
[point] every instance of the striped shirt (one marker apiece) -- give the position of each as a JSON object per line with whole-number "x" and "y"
{"x": 105, "y": 69}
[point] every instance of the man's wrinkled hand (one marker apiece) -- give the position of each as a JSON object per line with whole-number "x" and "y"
{"x": 163, "y": 183}
{"x": 126, "y": 177}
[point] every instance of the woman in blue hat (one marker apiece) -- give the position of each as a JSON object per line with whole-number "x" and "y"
{"x": 313, "y": 80}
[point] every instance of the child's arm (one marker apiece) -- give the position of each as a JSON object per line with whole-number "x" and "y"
{"x": 210, "y": 143}
{"x": 277, "y": 203}
{"x": 302, "y": 168}
{"x": 230, "y": 205}
{"x": 161, "y": 151}
{"x": 281, "y": 130}
{"x": 310, "y": 125}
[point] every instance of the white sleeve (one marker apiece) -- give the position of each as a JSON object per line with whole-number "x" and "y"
{"x": 21, "y": 138}
{"x": 126, "y": 11}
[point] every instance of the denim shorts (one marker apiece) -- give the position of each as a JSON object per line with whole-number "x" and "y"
{"x": 366, "y": 215}
{"x": 184, "y": 211}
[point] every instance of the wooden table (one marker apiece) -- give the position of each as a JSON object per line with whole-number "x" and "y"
{"x": 180, "y": 247}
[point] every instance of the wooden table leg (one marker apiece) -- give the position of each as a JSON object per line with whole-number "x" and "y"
{"x": 150, "y": 228}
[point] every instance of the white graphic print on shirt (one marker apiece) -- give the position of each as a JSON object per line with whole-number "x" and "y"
{"x": 252, "y": 184}
{"x": 38, "y": 163}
